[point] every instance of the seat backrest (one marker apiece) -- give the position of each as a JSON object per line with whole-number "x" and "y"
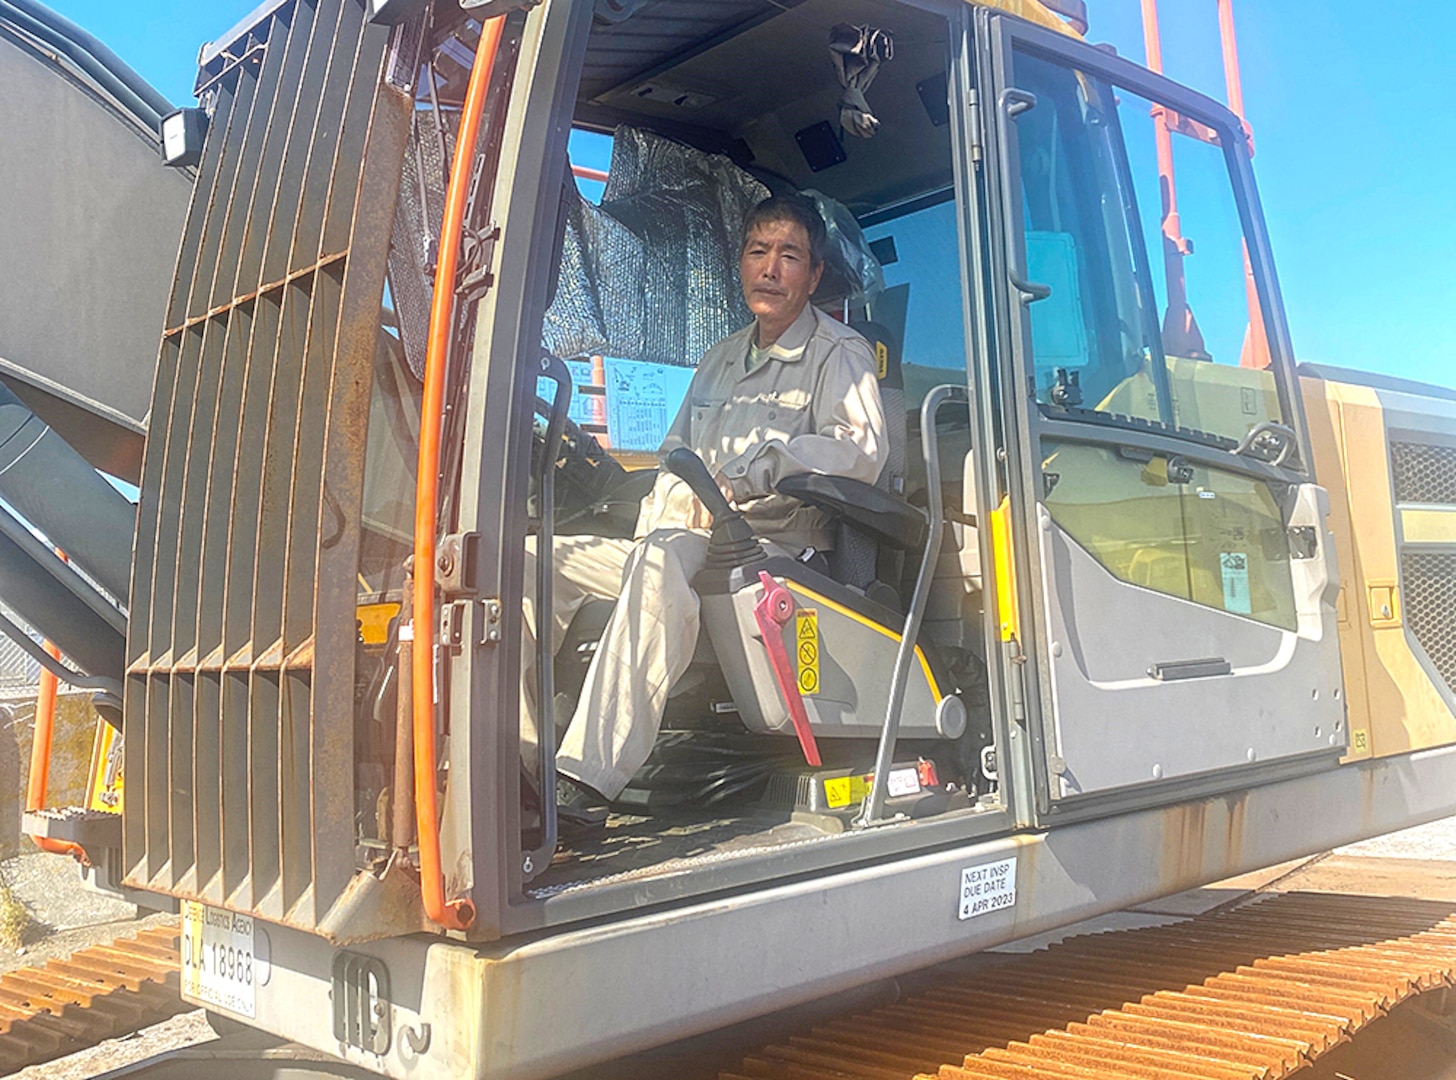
{"x": 857, "y": 559}
{"x": 886, "y": 349}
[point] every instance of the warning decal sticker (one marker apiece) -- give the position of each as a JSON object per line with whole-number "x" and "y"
{"x": 806, "y": 649}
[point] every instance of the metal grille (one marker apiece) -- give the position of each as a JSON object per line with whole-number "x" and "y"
{"x": 1423, "y": 473}
{"x": 1428, "y": 591}
{"x": 18, "y": 671}
{"x": 239, "y": 690}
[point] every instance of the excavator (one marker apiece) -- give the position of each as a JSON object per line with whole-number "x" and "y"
{"x": 1138, "y": 602}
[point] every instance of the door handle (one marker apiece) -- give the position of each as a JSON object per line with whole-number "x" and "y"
{"x": 1013, "y": 102}
{"x": 1172, "y": 671}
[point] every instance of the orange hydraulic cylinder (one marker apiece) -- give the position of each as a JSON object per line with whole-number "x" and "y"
{"x": 584, "y": 172}
{"x": 1230, "y": 45}
{"x": 1181, "y": 335}
{"x": 1256, "y": 341}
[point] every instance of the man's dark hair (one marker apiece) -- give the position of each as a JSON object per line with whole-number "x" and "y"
{"x": 793, "y": 209}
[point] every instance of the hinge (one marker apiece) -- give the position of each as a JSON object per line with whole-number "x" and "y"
{"x": 452, "y": 624}
{"x": 973, "y": 106}
{"x": 1016, "y": 677}
{"x": 490, "y": 622}
{"x": 455, "y": 562}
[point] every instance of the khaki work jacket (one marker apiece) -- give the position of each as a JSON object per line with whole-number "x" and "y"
{"x": 814, "y": 406}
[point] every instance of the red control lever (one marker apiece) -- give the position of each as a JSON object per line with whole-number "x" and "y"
{"x": 773, "y": 611}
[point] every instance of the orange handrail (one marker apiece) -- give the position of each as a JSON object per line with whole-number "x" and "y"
{"x": 453, "y": 914}
{"x": 40, "y": 743}
{"x": 39, "y": 778}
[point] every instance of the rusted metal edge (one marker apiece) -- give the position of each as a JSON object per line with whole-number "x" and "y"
{"x": 96, "y": 993}
{"x": 261, "y": 290}
{"x": 1255, "y": 992}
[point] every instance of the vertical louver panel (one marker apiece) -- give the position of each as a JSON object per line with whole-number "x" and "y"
{"x": 239, "y": 697}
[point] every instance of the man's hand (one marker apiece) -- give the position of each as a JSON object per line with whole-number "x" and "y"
{"x": 698, "y": 516}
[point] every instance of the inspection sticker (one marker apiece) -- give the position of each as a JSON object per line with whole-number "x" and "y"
{"x": 1236, "y": 595}
{"x": 988, "y": 888}
{"x": 806, "y": 646}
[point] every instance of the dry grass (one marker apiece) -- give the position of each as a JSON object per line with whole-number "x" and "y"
{"x": 14, "y": 916}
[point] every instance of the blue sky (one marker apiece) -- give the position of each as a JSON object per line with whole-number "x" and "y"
{"x": 1356, "y": 153}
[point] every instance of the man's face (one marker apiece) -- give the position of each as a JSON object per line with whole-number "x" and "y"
{"x": 778, "y": 277}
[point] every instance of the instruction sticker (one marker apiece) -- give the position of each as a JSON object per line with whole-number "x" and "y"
{"x": 806, "y": 648}
{"x": 1236, "y": 596}
{"x": 988, "y": 888}
{"x": 642, "y": 399}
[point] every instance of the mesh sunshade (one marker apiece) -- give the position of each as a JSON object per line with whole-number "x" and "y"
{"x": 652, "y": 273}
{"x": 417, "y": 218}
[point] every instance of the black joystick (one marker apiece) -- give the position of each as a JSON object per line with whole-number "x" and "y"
{"x": 731, "y": 542}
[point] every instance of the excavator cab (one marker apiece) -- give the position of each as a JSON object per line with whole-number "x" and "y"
{"x": 798, "y": 678}
{"x": 1142, "y": 473}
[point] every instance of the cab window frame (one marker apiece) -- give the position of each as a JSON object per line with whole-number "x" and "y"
{"x": 483, "y": 703}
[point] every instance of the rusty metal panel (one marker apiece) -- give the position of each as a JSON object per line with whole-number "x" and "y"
{"x": 240, "y": 667}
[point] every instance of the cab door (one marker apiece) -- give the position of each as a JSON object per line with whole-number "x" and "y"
{"x": 1178, "y": 584}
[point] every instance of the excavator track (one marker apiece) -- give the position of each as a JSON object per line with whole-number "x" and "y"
{"x": 95, "y": 993}
{"x": 1255, "y": 992}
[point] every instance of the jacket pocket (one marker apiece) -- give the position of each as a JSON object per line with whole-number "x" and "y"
{"x": 783, "y": 416}
{"x": 706, "y": 418}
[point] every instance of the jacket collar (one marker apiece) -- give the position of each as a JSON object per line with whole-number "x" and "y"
{"x": 792, "y": 342}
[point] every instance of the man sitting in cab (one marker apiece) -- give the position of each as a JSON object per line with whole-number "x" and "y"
{"x": 793, "y": 392}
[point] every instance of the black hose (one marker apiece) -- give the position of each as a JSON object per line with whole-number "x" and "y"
{"x": 112, "y": 73}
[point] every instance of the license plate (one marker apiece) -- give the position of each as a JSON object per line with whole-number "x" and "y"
{"x": 218, "y": 956}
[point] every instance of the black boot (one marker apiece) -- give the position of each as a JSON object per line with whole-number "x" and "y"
{"x": 578, "y": 805}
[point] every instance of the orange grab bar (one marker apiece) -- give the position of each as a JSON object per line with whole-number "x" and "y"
{"x": 40, "y": 758}
{"x": 453, "y": 914}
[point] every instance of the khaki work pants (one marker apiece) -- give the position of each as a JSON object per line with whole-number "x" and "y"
{"x": 647, "y": 645}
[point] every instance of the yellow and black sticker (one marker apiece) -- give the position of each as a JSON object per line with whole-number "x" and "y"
{"x": 374, "y": 622}
{"x": 105, "y": 787}
{"x": 882, "y": 359}
{"x": 806, "y": 644}
{"x": 1361, "y": 742}
{"x": 838, "y": 792}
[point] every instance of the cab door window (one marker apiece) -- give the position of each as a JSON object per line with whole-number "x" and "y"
{"x": 1150, "y": 325}
{"x": 1130, "y": 220}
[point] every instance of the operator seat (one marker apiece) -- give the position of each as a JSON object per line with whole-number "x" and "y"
{"x": 871, "y": 531}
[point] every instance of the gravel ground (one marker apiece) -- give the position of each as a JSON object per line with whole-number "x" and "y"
{"x": 1434, "y": 842}
{"x": 65, "y": 916}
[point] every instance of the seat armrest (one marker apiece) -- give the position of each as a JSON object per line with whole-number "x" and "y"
{"x": 888, "y": 518}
